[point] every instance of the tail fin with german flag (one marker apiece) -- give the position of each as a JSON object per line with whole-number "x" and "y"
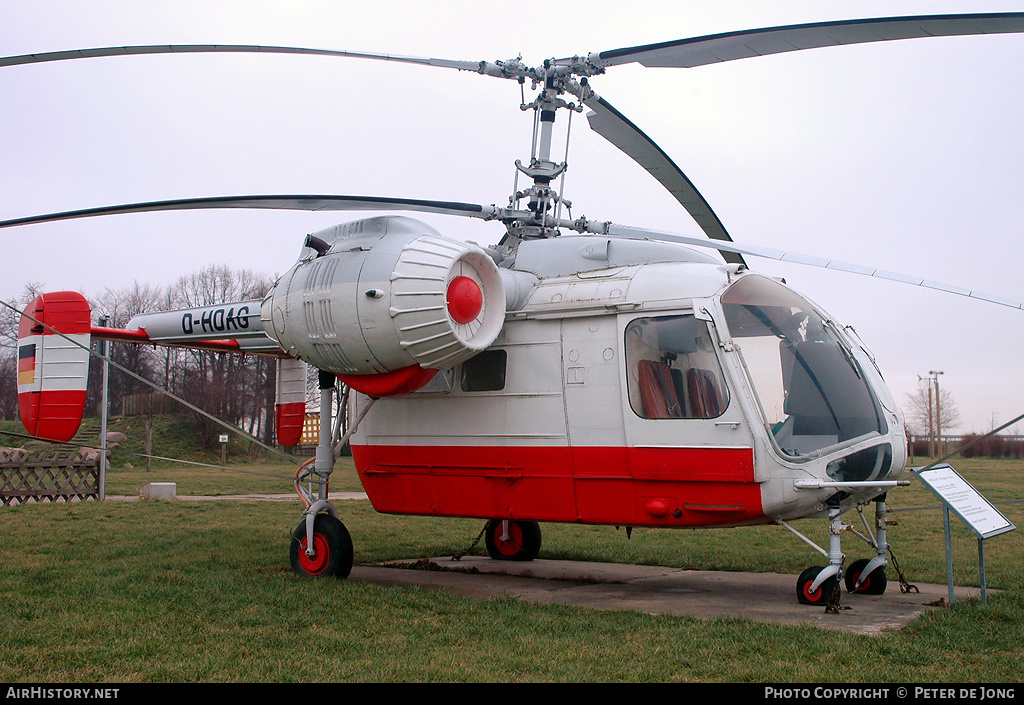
{"x": 53, "y": 370}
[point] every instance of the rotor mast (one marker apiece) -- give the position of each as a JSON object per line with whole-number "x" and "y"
{"x": 541, "y": 197}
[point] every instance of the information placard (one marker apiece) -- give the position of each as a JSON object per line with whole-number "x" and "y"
{"x": 966, "y": 502}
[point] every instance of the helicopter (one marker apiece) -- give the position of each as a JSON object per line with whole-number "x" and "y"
{"x": 575, "y": 371}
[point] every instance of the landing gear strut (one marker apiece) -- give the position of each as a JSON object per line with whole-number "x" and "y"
{"x": 820, "y": 585}
{"x": 321, "y": 545}
{"x": 867, "y": 576}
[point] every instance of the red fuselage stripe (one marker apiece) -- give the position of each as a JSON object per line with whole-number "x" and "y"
{"x": 684, "y": 487}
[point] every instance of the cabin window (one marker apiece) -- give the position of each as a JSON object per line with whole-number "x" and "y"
{"x": 810, "y": 387}
{"x": 672, "y": 369}
{"x": 485, "y": 371}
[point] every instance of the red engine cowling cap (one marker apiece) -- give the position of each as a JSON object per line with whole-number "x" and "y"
{"x": 465, "y": 299}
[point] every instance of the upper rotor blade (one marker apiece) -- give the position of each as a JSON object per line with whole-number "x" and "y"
{"x": 621, "y": 132}
{"x": 307, "y": 203}
{"x": 226, "y": 48}
{"x": 628, "y": 232}
{"x": 743, "y": 44}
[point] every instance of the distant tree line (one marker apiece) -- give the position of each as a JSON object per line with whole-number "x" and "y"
{"x": 238, "y": 389}
{"x": 992, "y": 447}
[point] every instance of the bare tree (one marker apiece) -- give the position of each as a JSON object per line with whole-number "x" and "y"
{"x": 8, "y": 385}
{"x": 10, "y": 315}
{"x": 119, "y": 306}
{"x": 238, "y": 389}
{"x": 10, "y": 318}
{"x": 918, "y": 417}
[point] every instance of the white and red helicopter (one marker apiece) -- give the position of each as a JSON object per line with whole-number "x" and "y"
{"x": 576, "y": 371}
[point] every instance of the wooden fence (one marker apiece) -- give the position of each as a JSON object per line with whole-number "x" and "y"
{"x": 149, "y": 404}
{"x": 50, "y": 475}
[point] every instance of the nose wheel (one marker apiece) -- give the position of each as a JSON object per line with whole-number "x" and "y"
{"x": 866, "y": 583}
{"x": 824, "y": 593}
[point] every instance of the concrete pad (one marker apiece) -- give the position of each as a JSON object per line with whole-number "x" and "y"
{"x": 284, "y": 497}
{"x": 763, "y": 597}
{"x": 159, "y": 490}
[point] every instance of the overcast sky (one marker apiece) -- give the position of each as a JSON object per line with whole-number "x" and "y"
{"x": 908, "y": 156}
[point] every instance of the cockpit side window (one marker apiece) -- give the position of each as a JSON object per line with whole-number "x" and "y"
{"x": 672, "y": 369}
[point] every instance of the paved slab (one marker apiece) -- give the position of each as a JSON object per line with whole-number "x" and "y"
{"x": 284, "y": 497}
{"x": 764, "y": 597}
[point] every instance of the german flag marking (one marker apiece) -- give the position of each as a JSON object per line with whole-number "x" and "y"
{"x": 27, "y": 364}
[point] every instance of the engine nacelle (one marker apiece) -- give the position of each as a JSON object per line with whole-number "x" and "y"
{"x": 386, "y": 302}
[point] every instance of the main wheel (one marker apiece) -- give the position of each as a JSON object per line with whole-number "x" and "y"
{"x": 874, "y": 584}
{"x": 817, "y": 597}
{"x": 332, "y": 549}
{"x": 521, "y": 544}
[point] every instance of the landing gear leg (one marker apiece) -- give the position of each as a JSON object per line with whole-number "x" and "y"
{"x": 321, "y": 545}
{"x": 820, "y": 585}
{"x": 868, "y": 576}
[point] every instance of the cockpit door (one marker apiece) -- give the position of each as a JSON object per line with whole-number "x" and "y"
{"x": 690, "y": 449}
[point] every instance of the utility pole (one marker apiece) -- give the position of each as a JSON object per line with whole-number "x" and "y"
{"x": 931, "y": 423}
{"x": 938, "y": 412}
{"x": 934, "y": 413}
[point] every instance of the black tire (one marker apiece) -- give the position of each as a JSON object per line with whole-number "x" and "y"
{"x": 523, "y": 542}
{"x": 334, "y": 555}
{"x": 820, "y": 596}
{"x": 874, "y": 584}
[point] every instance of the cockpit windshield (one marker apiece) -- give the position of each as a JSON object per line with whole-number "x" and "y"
{"x": 811, "y": 390}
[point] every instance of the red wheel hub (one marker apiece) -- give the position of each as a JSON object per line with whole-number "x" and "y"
{"x": 864, "y": 586}
{"x": 315, "y": 564}
{"x": 465, "y": 299}
{"x": 513, "y": 544}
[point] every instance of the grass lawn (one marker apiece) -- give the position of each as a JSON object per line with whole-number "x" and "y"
{"x": 175, "y": 591}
